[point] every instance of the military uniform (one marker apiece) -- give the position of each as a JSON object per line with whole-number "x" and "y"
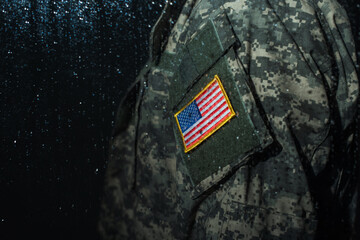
{"x": 276, "y": 169}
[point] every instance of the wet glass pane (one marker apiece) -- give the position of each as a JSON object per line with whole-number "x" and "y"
{"x": 64, "y": 67}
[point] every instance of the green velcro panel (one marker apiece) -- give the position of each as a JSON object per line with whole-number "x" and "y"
{"x": 231, "y": 141}
{"x": 210, "y": 43}
{"x": 198, "y": 54}
{"x": 183, "y": 78}
{"x": 206, "y": 46}
{"x": 203, "y": 56}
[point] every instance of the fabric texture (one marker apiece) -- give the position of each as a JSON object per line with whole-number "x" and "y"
{"x": 278, "y": 169}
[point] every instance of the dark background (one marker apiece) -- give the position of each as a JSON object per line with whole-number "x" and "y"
{"x": 64, "y": 66}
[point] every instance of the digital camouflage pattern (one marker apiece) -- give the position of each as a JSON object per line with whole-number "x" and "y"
{"x": 290, "y": 65}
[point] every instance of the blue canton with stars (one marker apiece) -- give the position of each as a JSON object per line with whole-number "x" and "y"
{"x": 189, "y": 116}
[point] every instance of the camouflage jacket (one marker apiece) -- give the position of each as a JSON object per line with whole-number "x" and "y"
{"x": 281, "y": 168}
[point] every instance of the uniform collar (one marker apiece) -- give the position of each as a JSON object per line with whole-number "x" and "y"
{"x": 161, "y": 30}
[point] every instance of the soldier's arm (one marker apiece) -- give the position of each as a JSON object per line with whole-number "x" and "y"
{"x": 343, "y": 88}
{"x": 118, "y": 200}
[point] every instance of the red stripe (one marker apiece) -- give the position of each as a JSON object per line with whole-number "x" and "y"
{"x": 204, "y": 119}
{"x": 214, "y": 104}
{"x": 196, "y": 135}
{"x": 199, "y": 138}
{"x": 207, "y": 90}
{"x": 210, "y": 93}
{"x": 208, "y": 97}
{"x": 209, "y": 123}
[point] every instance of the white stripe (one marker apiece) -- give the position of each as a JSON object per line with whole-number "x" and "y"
{"x": 208, "y": 120}
{"x": 205, "y": 116}
{"x": 207, "y": 93}
{"x": 210, "y": 126}
{"x": 209, "y": 98}
{"x": 210, "y": 105}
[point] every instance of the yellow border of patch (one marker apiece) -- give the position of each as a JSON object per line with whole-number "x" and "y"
{"x": 216, "y": 78}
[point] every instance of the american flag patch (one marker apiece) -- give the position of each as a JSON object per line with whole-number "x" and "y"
{"x": 204, "y": 115}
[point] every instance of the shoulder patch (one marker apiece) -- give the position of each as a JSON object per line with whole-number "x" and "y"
{"x": 208, "y": 111}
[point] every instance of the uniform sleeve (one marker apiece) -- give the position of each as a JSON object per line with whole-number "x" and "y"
{"x": 344, "y": 102}
{"x": 118, "y": 201}
{"x": 315, "y": 35}
{"x": 343, "y": 75}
